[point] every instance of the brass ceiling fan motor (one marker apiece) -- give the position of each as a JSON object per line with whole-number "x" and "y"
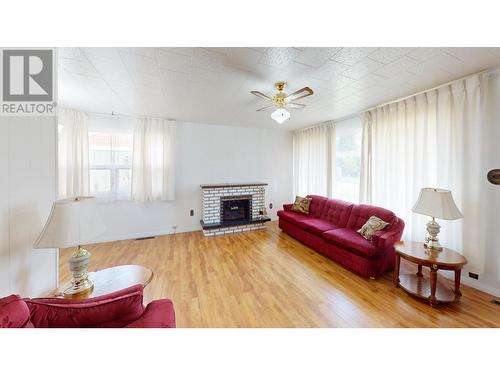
{"x": 281, "y": 99}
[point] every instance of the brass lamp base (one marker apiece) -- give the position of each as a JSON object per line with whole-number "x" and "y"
{"x": 78, "y": 290}
{"x": 78, "y": 264}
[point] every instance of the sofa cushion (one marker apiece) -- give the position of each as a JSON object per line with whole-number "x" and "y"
{"x": 293, "y": 217}
{"x": 352, "y": 241}
{"x": 360, "y": 214}
{"x": 317, "y": 226}
{"x": 14, "y": 313}
{"x": 337, "y": 212}
{"x": 317, "y": 204}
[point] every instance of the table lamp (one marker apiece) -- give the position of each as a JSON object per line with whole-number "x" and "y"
{"x": 437, "y": 203}
{"x": 73, "y": 222}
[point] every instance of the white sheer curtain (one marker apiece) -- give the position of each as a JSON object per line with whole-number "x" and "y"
{"x": 153, "y": 173}
{"x": 435, "y": 139}
{"x": 73, "y": 153}
{"x": 314, "y": 160}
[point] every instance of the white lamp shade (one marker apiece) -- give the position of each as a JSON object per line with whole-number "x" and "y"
{"x": 437, "y": 203}
{"x": 72, "y": 222}
{"x": 280, "y": 115}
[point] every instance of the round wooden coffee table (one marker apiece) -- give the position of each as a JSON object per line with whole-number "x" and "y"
{"x": 428, "y": 288}
{"x": 112, "y": 279}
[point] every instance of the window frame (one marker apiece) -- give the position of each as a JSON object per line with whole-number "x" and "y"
{"x": 113, "y": 167}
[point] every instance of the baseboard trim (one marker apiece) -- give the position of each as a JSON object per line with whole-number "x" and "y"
{"x": 133, "y": 236}
{"x": 474, "y": 284}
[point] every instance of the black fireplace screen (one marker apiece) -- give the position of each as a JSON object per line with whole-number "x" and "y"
{"x": 236, "y": 208}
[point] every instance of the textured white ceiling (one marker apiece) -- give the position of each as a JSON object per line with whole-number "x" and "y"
{"x": 212, "y": 85}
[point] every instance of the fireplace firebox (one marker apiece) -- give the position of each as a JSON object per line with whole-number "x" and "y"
{"x": 235, "y": 208}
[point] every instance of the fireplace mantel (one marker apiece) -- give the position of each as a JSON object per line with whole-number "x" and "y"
{"x": 226, "y": 185}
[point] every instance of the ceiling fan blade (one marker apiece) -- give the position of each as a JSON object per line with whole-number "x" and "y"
{"x": 299, "y": 94}
{"x": 265, "y": 108}
{"x": 295, "y": 105}
{"x": 261, "y": 95}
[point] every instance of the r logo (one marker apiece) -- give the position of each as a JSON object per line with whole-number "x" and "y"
{"x": 27, "y": 75}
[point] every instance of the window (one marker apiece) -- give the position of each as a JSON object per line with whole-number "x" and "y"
{"x": 110, "y": 163}
{"x": 347, "y": 160}
{"x": 317, "y": 172}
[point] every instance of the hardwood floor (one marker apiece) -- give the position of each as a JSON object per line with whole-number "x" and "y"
{"x": 266, "y": 278}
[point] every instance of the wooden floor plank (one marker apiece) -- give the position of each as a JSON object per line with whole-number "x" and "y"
{"x": 265, "y": 278}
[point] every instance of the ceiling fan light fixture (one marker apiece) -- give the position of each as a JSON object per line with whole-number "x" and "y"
{"x": 280, "y": 115}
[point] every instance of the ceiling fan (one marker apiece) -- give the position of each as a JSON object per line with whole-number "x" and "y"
{"x": 281, "y": 100}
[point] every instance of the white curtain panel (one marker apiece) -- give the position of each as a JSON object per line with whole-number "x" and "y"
{"x": 73, "y": 153}
{"x": 153, "y": 173}
{"x": 435, "y": 139}
{"x": 313, "y": 160}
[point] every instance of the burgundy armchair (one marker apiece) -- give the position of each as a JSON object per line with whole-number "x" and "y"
{"x": 121, "y": 309}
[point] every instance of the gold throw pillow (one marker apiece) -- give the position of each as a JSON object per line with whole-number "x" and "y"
{"x": 373, "y": 224}
{"x": 301, "y": 205}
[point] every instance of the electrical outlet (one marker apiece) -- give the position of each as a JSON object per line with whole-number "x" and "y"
{"x": 270, "y": 206}
{"x": 191, "y": 213}
{"x": 474, "y": 275}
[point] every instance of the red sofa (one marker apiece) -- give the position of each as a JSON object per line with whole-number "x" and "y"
{"x": 330, "y": 228}
{"x": 122, "y": 309}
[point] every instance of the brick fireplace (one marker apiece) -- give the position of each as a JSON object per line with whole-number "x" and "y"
{"x": 233, "y": 208}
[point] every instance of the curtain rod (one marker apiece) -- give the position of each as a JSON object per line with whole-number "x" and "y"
{"x": 113, "y": 114}
{"x": 359, "y": 113}
{"x": 428, "y": 90}
{"x": 118, "y": 115}
{"x": 315, "y": 125}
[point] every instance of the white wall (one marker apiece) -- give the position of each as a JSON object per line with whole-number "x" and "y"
{"x": 204, "y": 154}
{"x": 27, "y": 190}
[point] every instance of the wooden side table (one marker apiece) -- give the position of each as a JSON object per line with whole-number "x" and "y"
{"x": 112, "y": 279}
{"x": 429, "y": 288}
